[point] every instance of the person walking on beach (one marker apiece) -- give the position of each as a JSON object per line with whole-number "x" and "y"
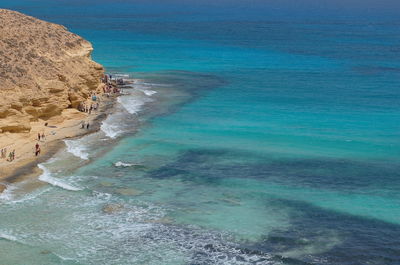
{"x": 87, "y": 126}
{"x": 38, "y": 136}
{"x": 11, "y": 156}
{"x": 37, "y": 152}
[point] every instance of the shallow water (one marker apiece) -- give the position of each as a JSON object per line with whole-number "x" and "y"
{"x": 239, "y": 142}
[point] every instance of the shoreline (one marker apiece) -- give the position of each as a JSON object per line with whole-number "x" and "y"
{"x": 26, "y": 164}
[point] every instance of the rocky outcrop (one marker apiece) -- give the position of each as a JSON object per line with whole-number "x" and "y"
{"x": 44, "y": 69}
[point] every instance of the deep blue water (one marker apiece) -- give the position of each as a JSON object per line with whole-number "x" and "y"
{"x": 249, "y": 139}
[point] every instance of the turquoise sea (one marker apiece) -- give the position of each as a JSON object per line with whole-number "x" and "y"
{"x": 245, "y": 139}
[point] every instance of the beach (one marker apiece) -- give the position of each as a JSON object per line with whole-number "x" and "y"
{"x": 68, "y": 125}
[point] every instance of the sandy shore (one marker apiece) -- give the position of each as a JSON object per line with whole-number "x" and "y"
{"x": 67, "y": 125}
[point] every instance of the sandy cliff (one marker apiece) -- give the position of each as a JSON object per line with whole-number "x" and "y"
{"x": 43, "y": 69}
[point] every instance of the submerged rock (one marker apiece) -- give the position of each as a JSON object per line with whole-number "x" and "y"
{"x": 106, "y": 184}
{"x": 112, "y": 208}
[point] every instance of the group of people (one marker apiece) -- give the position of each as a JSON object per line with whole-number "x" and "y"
{"x": 85, "y": 125}
{"x": 11, "y": 155}
{"x": 88, "y": 108}
{"x": 108, "y": 89}
{"x": 41, "y": 136}
{"x": 37, "y": 146}
{"x": 106, "y": 79}
{"x": 109, "y": 86}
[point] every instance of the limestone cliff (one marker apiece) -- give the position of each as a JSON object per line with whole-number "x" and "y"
{"x": 44, "y": 69}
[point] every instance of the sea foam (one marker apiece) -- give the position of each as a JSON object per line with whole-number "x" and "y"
{"x": 7, "y": 194}
{"x": 111, "y": 129}
{"x": 7, "y": 236}
{"x": 15, "y": 193}
{"x": 148, "y": 92}
{"x": 122, "y": 164}
{"x": 46, "y": 177}
{"x": 76, "y": 148}
{"x": 134, "y": 103}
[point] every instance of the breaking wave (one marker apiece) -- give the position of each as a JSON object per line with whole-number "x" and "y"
{"x": 111, "y": 129}
{"x": 148, "y": 92}
{"x": 133, "y": 103}
{"x": 46, "y": 177}
{"x": 76, "y": 148}
{"x": 8, "y": 237}
{"x": 122, "y": 164}
{"x": 7, "y": 194}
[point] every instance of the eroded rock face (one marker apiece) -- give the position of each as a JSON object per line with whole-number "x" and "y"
{"x": 43, "y": 69}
